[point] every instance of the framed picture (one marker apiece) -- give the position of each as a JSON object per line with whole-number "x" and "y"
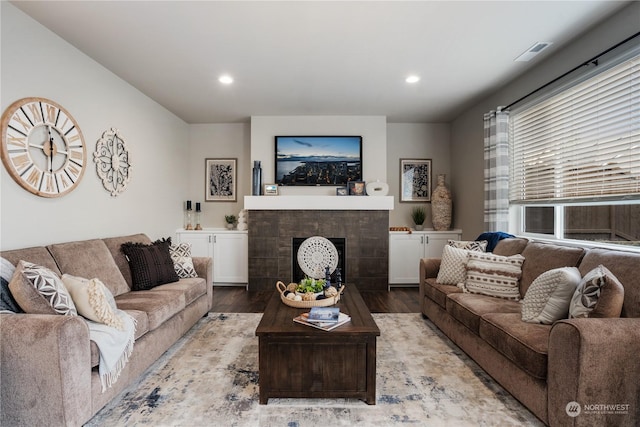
{"x": 271, "y": 189}
{"x": 415, "y": 180}
{"x": 342, "y": 191}
{"x": 220, "y": 180}
{"x": 357, "y": 188}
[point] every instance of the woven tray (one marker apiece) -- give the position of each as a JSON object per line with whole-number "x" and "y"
{"x": 307, "y": 304}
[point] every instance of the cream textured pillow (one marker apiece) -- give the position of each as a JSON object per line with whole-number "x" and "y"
{"x": 493, "y": 275}
{"x": 93, "y": 300}
{"x": 182, "y": 261}
{"x": 452, "y": 264}
{"x": 549, "y": 295}
{"x": 39, "y": 290}
{"x": 470, "y": 245}
{"x": 599, "y": 294}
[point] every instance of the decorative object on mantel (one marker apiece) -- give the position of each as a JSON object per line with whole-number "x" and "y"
{"x": 220, "y": 180}
{"x": 357, "y": 188}
{"x": 441, "y": 205}
{"x": 377, "y": 188}
{"x": 415, "y": 180}
{"x": 242, "y": 220}
{"x": 257, "y": 178}
{"x": 230, "y": 220}
{"x": 188, "y": 216}
{"x": 198, "y": 216}
{"x": 418, "y": 216}
{"x": 113, "y": 162}
{"x": 342, "y": 191}
{"x": 271, "y": 189}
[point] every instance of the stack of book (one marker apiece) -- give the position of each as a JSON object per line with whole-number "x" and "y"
{"x": 325, "y": 318}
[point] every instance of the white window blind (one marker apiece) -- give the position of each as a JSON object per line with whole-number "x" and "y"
{"x": 581, "y": 144}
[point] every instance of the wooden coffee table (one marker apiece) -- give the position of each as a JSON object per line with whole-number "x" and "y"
{"x": 301, "y": 361}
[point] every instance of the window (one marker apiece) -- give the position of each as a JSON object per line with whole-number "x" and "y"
{"x": 575, "y": 159}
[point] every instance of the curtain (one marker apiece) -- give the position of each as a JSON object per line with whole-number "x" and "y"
{"x": 496, "y": 171}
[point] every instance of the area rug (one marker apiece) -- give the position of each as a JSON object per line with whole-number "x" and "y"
{"x": 210, "y": 378}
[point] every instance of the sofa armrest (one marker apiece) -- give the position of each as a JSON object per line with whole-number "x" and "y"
{"x": 594, "y": 362}
{"x": 204, "y": 268}
{"x": 45, "y": 373}
{"x": 429, "y": 268}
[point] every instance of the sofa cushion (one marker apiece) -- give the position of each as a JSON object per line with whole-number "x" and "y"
{"x": 469, "y": 308}
{"x": 438, "y": 292}
{"x": 452, "y": 269}
{"x": 510, "y": 246}
{"x": 159, "y": 305}
{"x": 93, "y": 300}
{"x": 151, "y": 265}
{"x": 37, "y": 255}
{"x": 114, "y": 244}
{"x": 525, "y": 344}
{"x": 38, "y": 290}
{"x": 623, "y": 265}
{"x": 142, "y": 327}
{"x": 192, "y": 288}
{"x": 89, "y": 258}
{"x": 599, "y": 294}
{"x": 548, "y": 297}
{"x": 493, "y": 275}
{"x": 541, "y": 257}
{"x": 182, "y": 261}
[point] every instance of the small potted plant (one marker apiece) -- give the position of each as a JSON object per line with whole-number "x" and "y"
{"x": 418, "y": 215}
{"x": 231, "y": 221}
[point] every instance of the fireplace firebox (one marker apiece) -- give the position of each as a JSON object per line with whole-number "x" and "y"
{"x": 296, "y": 272}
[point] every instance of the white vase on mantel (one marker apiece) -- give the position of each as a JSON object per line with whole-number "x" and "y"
{"x": 441, "y": 205}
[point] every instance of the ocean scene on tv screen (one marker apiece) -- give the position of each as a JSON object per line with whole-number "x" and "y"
{"x": 318, "y": 160}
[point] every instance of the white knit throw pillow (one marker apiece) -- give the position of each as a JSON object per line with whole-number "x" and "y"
{"x": 452, "y": 269}
{"x": 549, "y": 295}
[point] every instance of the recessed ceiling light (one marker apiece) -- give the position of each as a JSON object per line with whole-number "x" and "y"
{"x": 412, "y": 79}
{"x": 226, "y": 79}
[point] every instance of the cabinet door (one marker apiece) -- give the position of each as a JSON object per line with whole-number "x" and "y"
{"x": 405, "y": 251}
{"x": 435, "y": 243}
{"x": 231, "y": 258}
{"x": 201, "y": 243}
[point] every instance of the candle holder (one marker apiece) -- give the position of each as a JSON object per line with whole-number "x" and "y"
{"x": 188, "y": 217}
{"x": 198, "y": 217}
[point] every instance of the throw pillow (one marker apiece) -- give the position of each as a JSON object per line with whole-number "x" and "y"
{"x": 93, "y": 300}
{"x": 599, "y": 294}
{"x": 151, "y": 265}
{"x": 452, "y": 264}
{"x": 470, "y": 245}
{"x": 549, "y": 295}
{"x": 38, "y": 290}
{"x": 182, "y": 261}
{"x": 7, "y": 302}
{"x": 493, "y": 275}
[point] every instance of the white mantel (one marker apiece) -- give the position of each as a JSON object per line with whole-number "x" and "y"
{"x": 365, "y": 203}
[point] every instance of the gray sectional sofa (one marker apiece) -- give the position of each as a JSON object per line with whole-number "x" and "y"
{"x": 593, "y": 362}
{"x": 49, "y": 367}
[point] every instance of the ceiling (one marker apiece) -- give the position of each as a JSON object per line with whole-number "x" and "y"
{"x": 316, "y": 57}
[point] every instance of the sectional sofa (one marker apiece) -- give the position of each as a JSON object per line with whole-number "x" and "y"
{"x": 49, "y": 367}
{"x": 574, "y": 372}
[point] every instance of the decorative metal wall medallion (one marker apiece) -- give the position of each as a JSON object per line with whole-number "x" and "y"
{"x": 113, "y": 164}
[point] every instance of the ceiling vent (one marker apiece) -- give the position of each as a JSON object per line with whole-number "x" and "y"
{"x": 533, "y": 51}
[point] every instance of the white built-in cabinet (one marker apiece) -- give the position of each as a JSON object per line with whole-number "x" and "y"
{"x": 228, "y": 248}
{"x": 406, "y": 249}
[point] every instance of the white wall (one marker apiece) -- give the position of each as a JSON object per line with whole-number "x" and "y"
{"x": 371, "y": 128}
{"x": 36, "y": 62}
{"x": 415, "y": 141}
{"x": 218, "y": 141}
{"x": 467, "y": 130}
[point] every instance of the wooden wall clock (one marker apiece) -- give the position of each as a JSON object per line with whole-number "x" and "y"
{"x": 42, "y": 147}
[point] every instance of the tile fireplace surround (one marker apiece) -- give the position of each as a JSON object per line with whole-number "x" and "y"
{"x": 271, "y": 233}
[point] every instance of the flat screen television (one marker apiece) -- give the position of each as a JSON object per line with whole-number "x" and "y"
{"x": 318, "y": 160}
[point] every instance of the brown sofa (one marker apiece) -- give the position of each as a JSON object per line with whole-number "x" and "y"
{"x": 49, "y": 367}
{"x": 591, "y": 361}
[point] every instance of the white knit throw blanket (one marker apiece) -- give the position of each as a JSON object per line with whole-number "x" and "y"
{"x": 115, "y": 347}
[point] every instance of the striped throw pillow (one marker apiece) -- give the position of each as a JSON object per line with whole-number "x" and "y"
{"x": 493, "y": 275}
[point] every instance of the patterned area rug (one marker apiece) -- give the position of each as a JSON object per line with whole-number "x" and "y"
{"x": 210, "y": 378}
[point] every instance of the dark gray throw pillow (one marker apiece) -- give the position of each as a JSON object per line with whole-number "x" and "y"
{"x": 151, "y": 265}
{"x": 7, "y": 302}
